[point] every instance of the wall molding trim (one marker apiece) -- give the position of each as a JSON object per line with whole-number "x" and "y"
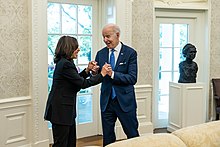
{"x": 14, "y": 99}
{"x": 38, "y": 87}
{"x": 15, "y": 102}
{"x": 183, "y": 4}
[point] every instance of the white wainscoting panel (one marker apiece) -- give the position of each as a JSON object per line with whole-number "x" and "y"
{"x": 144, "y": 111}
{"x": 15, "y": 120}
{"x": 144, "y": 108}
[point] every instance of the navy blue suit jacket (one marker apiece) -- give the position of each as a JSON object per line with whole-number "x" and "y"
{"x": 125, "y": 77}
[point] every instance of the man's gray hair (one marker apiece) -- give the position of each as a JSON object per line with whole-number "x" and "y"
{"x": 115, "y": 27}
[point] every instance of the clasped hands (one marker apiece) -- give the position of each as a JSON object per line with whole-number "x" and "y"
{"x": 93, "y": 67}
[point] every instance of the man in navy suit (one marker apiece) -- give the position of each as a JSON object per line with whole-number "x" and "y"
{"x": 117, "y": 97}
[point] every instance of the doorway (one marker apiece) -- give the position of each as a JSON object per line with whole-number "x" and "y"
{"x": 173, "y": 29}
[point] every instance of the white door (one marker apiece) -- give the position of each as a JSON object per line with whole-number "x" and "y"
{"x": 173, "y": 30}
{"x": 76, "y": 18}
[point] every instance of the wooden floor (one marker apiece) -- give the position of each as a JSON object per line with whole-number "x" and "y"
{"x": 161, "y": 130}
{"x": 97, "y": 140}
{"x": 89, "y": 141}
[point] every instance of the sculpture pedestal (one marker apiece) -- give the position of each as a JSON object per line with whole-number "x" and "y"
{"x": 187, "y": 105}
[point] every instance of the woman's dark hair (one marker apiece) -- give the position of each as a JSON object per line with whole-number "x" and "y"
{"x": 65, "y": 48}
{"x": 186, "y": 48}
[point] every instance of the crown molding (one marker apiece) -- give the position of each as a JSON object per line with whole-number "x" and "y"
{"x": 181, "y": 4}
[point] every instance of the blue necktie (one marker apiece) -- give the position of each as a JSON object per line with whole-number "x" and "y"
{"x": 112, "y": 63}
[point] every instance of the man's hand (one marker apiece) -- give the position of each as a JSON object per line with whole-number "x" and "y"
{"x": 105, "y": 69}
{"x": 110, "y": 71}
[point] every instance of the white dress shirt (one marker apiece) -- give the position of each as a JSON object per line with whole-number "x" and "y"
{"x": 116, "y": 53}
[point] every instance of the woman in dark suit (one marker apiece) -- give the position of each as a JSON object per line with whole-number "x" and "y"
{"x": 61, "y": 103}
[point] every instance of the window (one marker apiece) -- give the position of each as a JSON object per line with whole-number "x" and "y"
{"x": 74, "y": 20}
{"x": 172, "y": 38}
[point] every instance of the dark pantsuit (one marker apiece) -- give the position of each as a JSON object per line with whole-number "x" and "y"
{"x": 60, "y": 133}
{"x": 61, "y": 103}
{"x": 128, "y": 121}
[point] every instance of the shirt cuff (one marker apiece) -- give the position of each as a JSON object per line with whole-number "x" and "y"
{"x": 113, "y": 73}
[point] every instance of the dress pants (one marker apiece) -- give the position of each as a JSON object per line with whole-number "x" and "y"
{"x": 128, "y": 121}
{"x": 64, "y": 136}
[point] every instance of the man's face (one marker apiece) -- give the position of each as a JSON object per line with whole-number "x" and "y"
{"x": 110, "y": 37}
{"x": 191, "y": 54}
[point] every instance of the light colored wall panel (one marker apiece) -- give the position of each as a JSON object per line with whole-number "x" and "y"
{"x": 144, "y": 111}
{"x": 14, "y": 51}
{"x": 144, "y": 108}
{"x": 142, "y": 39}
{"x": 15, "y": 119}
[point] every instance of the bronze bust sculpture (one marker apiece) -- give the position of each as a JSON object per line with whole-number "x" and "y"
{"x": 188, "y": 68}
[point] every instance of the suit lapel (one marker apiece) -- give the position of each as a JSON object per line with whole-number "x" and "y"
{"x": 104, "y": 56}
{"x": 121, "y": 57}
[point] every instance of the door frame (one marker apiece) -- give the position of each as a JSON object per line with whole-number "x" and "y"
{"x": 198, "y": 38}
{"x": 88, "y": 129}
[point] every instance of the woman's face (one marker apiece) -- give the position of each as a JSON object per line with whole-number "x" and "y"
{"x": 75, "y": 53}
{"x": 191, "y": 54}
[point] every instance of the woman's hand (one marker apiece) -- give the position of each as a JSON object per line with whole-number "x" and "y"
{"x": 92, "y": 66}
